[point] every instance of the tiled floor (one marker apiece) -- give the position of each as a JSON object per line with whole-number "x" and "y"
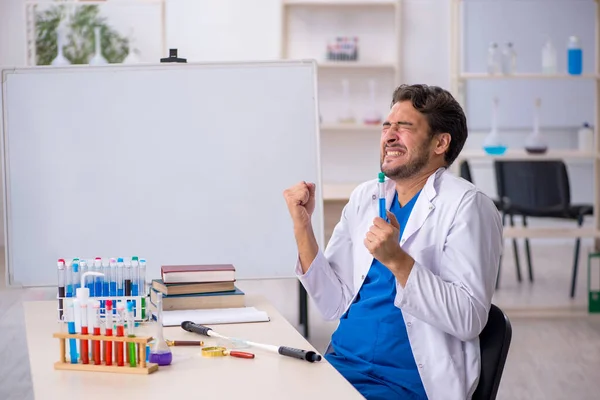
{"x": 555, "y": 352}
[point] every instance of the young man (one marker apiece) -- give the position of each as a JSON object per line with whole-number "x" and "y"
{"x": 412, "y": 291}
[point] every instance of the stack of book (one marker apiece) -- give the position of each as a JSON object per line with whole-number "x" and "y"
{"x": 193, "y": 287}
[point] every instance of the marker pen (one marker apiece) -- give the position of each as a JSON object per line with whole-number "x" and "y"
{"x": 382, "y": 213}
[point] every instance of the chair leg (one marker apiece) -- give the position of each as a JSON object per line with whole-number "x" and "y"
{"x": 515, "y": 250}
{"x": 528, "y": 252}
{"x": 576, "y": 259}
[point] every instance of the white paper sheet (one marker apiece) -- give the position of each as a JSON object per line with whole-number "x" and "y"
{"x": 215, "y": 316}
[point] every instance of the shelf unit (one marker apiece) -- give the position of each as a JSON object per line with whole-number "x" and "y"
{"x": 307, "y": 25}
{"x": 31, "y": 6}
{"x": 458, "y": 81}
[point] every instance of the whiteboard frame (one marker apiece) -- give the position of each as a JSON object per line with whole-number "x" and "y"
{"x": 5, "y": 151}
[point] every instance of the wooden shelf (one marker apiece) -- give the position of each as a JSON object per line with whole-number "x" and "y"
{"x": 355, "y": 65}
{"x": 524, "y": 76}
{"x": 351, "y": 128}
{"x": 329, "y": 3}
{"x": 551, "y": 233}
{"x": 521, "y": 154}
{"x": 338, "y": 191}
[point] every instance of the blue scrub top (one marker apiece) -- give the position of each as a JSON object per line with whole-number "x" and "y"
{"x": 370, "y": 346}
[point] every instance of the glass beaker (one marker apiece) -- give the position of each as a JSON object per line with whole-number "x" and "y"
{"x": 493, "y": 144}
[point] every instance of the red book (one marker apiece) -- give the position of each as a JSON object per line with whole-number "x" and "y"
{"x": 197, "y": 273}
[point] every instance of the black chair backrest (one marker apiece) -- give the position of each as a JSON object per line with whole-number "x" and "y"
{"x": 534, "y": 185}
{"x": 494, "y": 342}
{"x": 465, "y": 171}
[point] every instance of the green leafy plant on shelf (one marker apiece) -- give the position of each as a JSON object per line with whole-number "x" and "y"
{"x": 79, "y": 44}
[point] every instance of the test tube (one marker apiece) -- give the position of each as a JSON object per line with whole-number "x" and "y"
{"x": 70, "y": 292}
{"x": 131, "y": 333}
{"x": 61, "y": 286}
{"x": 76, "y": 277}
{"x": 112, "y": 287}
{"x": 96, "y": 343}
{"x": 97, "y": 279}
{"x": 127, "y": 278}
{"x": 120, "y": 333}
{"x": 143, "y": 288}
{"x": 108, "y": 332}
{"x": 120, "y": 277}
{"x": 135, "y": 276}
{"x": 85, "y": 351}
{"x": 105, "y": 278}
{"x": 71, "y": 327}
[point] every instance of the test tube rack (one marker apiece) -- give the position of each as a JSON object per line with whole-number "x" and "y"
{"x": 141, "y": 312}
{"x": 142, "y": 367}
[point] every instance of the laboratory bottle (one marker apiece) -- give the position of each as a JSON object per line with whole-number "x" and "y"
{"x": 492, "y": 143}
{"x": 548, "y": 58}
{"x": 60, "y": 58}
{"x": 493, "y": 59}
{"x": 347, "y": 116}
{"x": 585, "y": 136}
{"x": 509, "y": 59}
{"x": 372, "y": 117}
{"x": 160, "y": 353}
{"x": 535, "y": 142}
{"x": 98, "y": 59}
{"x": 574, "y": 56}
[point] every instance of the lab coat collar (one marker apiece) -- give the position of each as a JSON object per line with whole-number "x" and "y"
{"x": 422, "y": 208}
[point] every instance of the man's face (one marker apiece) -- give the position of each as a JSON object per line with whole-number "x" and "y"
{"x": 405, "y": 142}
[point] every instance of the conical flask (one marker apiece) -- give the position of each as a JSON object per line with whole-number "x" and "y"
{"x": 492, "y": 143}
{"x": 98, "y": 59}
{"x": 160, "y": 353}
{"x": 535, "y": 142}
{"x": 61, "y": 34}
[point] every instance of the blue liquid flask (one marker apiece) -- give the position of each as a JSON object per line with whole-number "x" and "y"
{"x": 574, "y": 56}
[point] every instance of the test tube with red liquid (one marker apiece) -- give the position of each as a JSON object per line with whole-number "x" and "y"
{"x": 96, "y": 343}
{"x": 108, "y": 332}
{"x": 85, "y": 351}
{"x": 120, "y": 333}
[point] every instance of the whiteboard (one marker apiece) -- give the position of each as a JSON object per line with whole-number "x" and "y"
{"x": 174, "y": 163}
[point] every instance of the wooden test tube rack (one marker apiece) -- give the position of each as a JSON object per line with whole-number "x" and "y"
{"x": 142, "y": 367}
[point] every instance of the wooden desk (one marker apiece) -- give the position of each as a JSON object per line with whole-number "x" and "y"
{"x": 268, "y": 376}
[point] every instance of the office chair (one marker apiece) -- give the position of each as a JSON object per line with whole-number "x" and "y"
{"x": 465, "y": 173}
{"x": 494, "y": 342}
{"x": 540, "y": 189}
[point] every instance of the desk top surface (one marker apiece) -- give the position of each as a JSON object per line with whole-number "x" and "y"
{"x": 267, "y": 376}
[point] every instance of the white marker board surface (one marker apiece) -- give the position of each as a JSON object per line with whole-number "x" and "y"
{"x": 174, "y": 163}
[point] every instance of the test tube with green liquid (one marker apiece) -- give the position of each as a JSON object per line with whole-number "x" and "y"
{"x": 131, "y": 333}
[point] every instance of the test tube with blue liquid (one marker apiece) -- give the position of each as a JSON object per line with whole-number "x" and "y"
{"x": 70, "y": 291}
{"x": 71, "y": 326}
{"x": 89, "y": 281}
{"x": 112, "y": 287}
{"x": 82, "y": 270}
{"x": 106, "y": 278}
{"x": 120, "y": 277}
{"x": 135, "y": 276}
{"x": 382, "y": 213}
{"x": 76, "y": 276}
{"x": 98, "y": 279}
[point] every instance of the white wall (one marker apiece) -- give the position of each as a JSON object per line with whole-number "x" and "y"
{"x": 208, "y": 30}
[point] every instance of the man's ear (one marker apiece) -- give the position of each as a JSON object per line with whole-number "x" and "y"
{"x": 442, "y": 143}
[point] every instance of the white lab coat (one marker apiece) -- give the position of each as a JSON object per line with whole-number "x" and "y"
{"x": 454, "y": 234}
